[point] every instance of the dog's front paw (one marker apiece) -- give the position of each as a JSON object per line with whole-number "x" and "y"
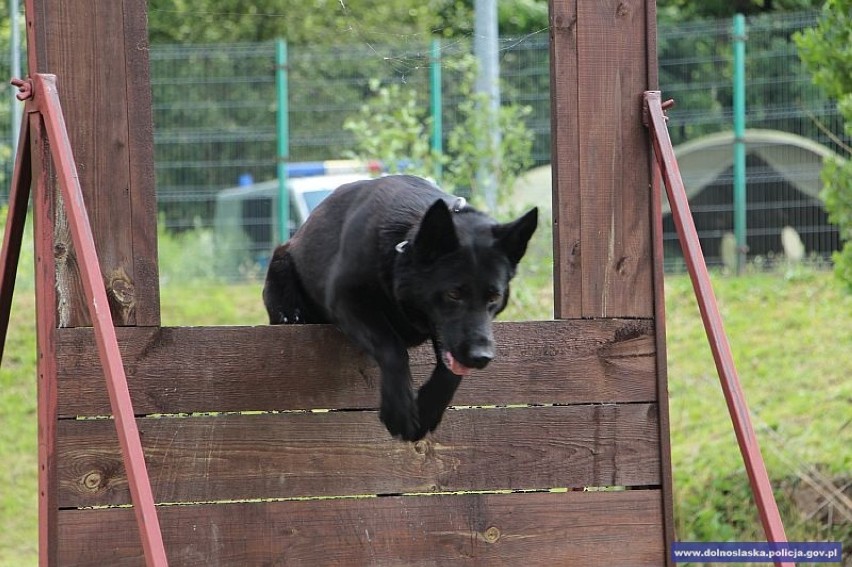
{"x": 434, "y": 397}
{"x": 430, "y": 414}
{"x": 401, "y": 418}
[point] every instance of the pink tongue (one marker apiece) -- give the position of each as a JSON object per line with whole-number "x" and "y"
{"x": 455, "y": 366}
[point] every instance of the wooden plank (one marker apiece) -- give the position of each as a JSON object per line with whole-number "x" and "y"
{"x": 175, "y": 370}
{"x": 288, "y": 455}
{"x": 569, "y": 529}
{"x": 84, "y": 44}
{"x": 565, "y": 159}
{"x": 615, "y": 234}
{"x": 45, "y": 288}
{"x": 143, "y": 195}
{"x": 660, "y": 300}
{"x": 662, "y": 370}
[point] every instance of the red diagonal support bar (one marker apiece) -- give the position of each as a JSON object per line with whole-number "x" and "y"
{"x": 688, "y": 236}
{"x": 19, "y": 196}
{"x": 47, "y": 102}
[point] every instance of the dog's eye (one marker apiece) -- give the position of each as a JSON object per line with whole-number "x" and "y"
{"x": 494, "y": 296}
{"x": 454, "y": 294}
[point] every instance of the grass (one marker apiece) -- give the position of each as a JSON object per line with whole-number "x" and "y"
{"x": 791, "y": 337}
{"x": 18, "y": 447}
{"x": 792, "y": 341}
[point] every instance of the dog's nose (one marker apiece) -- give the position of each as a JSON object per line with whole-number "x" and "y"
{"x": 481, "y": 356}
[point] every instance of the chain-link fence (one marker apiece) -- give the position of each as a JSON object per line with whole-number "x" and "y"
{"x": 791, "y": 128}
{"x": 215, "y": 124}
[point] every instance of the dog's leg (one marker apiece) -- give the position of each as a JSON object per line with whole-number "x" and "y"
{"x": 370, "y": 330}
{"x": 434, "y": 396}
{"x": 285, "y": 299}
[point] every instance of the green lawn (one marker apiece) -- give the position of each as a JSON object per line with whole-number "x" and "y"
{"x": 791, "y": 337}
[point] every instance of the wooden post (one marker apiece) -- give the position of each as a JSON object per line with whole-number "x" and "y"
{"x": 602, "y": 61}
{"x": 45, "y": 268}
{"x": 98, "y": 51}
{"x": 607, "y": 261}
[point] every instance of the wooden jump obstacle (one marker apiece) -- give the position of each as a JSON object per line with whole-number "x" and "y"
{"x": 263, "y": 444}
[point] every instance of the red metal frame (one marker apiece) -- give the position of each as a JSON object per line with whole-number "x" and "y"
{"x": 44, "y": 100}
{"x": 667, "y": 166}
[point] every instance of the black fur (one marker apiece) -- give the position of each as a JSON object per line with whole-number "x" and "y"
{"x": 392, "y": 262}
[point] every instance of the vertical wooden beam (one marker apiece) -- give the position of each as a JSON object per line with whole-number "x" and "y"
{"x": 46, "y": 324}
{"x": 98, "y": 50}
{"x": 604, "y": 261}
{"x": 140, "y": 134}
{"x": 565, "y": 148}
{"x": 607, "y": 258}
{"x": 658, "y": 283}
{"x": 662, "y": 370}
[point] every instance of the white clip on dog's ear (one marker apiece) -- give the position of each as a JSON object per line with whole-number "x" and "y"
{"x": 400, "y": 248}
{"x": 459, "y": 204}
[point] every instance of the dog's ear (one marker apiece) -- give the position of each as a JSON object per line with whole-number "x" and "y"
{"x": 436, "y": 235}
{"x": 512, "y": 238}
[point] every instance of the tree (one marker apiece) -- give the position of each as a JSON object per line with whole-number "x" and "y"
{"x": 331, "y": 21}
{"x": 684, "y": 10}
{"x": 393, "y": 126}
{"x": 300, "y": 22}
{"x": 827, "y": 51}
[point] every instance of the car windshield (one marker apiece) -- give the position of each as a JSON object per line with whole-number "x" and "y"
{"x": 314, "y": 198}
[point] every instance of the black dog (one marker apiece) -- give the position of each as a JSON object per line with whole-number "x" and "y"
{"x": 393, "y": 261}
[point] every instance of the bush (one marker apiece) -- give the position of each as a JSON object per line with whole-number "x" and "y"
{"x": 393, "y": 126}
{"x": 201, "y": 255}
{"x": 827, "y": 52}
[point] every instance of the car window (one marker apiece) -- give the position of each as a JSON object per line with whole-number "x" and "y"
{"x": 314, "y": 198}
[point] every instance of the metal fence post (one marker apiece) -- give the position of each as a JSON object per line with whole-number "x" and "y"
{"x": 739, "y": 141}
{"x": 283, "y": 135}
{"x": 435, "y": 97}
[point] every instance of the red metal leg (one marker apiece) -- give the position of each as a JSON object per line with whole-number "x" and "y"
{"x": 19, "y": 196}
{"x": 47, "y": 99}
{"x": 749, "y": 447}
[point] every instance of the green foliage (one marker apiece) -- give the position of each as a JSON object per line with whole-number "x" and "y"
{"x": 201, "y": 255}
{"x": 786, "y": 336}
{"x": 18, "y": 448}
{"x": 468, "y": 143}
{"x": 827, "y": 51}
{"x": 394, "y": 126}
{"x": 684, "y": 10}
{"x": 298, "y": 21}
{"x": 520, "y": 17}
{"x": 837, "y": 178}
{"x": 837, "y": 194}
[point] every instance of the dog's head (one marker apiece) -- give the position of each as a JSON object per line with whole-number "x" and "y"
{"x": 457, "y": 278}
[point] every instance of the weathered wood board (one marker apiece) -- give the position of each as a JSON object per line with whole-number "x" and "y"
{"x": 603, "y": 60}
{"x": 532, "y": 529}
{"x": 98, "y": 51}
{"x": 291, "y": 455}
{"x": 204, "y": 369}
